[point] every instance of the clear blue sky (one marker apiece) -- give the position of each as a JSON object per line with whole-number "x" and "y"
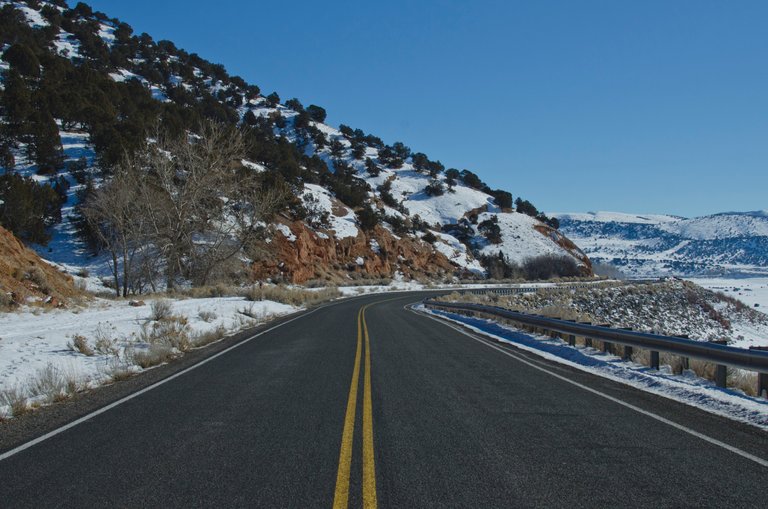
{"x": 636, "y": 106}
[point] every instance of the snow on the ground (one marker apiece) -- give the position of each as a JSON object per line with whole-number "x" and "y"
{"x": 754, "y": 293}
{"x": 445, "y": 209}
{"x": 615, "y": 217}
{"x": 287, "y": 233}
{"x": 450, "y": 247}
{"x": 34, "y": 17}
{"x": 343, "y": 225}
{"x": 750, "y": 291}
{"x": 31, "y": 340}
{"x": 686, "y": 388}
{"x": 520, "y": 241}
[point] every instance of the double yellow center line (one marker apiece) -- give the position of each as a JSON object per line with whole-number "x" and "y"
{"x": 341, "y": 496}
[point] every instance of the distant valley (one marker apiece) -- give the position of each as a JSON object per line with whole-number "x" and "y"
{"x": 730, "y": 244}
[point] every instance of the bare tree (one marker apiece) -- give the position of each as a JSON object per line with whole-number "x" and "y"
{"x": 188, "y": 201}
{"x": 115, "y": 215}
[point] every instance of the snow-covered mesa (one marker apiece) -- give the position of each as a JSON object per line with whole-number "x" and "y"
{"x": 719, "y": 245}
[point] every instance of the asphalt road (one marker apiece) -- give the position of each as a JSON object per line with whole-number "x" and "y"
{"x": 387, "y": 407}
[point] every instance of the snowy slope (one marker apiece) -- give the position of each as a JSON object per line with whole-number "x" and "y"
{"x": 731, "y": 243}
{"x": 520, "y": 240}
{"x": 407, "y": 184}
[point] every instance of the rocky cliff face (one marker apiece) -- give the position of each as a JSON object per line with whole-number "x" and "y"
{"x": 26, "y": 279}
{"x": 305, "y": 255}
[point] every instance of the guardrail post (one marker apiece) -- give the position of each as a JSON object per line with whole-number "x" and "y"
{"x": 721, "y": 376}
{"x": 572, "y": 340}
{"x": 762, "y": 378}
{"x": 762, "y": 385}
{"x": 654, "y": 360}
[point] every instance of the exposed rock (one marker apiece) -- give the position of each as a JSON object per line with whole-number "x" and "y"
{"x": 26, "y": 278}
{"x": 310, "y": 256}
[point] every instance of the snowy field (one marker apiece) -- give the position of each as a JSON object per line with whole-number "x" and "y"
{"x": 754, "y": 293}
{"x": 750, "y": 291}
{"x": 686, "y": 388}
{"x": 35, "y": 344}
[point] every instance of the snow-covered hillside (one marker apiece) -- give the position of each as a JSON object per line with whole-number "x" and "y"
{"x": 727, "y": 244}
{"x": 410, "y": 195}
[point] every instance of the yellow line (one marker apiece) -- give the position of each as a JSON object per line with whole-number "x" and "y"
{"x": 341, "y": 496}
{"x": 369, "y": 467}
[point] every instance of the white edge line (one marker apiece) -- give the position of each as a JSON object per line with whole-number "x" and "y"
{"x": 136, "y": 394}
{"x": 713, "y": 441}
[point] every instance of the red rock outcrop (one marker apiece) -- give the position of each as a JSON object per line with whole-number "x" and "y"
{"x": 310, "y": 256}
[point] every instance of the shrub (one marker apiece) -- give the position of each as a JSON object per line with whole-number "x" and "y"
{"x": 154, "y": 355}
{"x": 208, "y": 337}
{"x": 27, "y": 208}
{"x": 105, "y": 344}
{"x": 292, "y": 296}
{"x": 172, "y": 332}
{"x": 434, "y": 188}
{"x": 161, "y": 310}
{"x": 80, "y": 344}
{"x": 37, "y": 276}
{"x": 549, "y": 266}
{"x": 207, "y": 316}
{"x": 49, "y": 382}
{"x": 16, "y": 399}
{"x": 317, "y": 113}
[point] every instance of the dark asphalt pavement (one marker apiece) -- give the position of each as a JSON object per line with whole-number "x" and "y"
{"x": 455, "y": 424}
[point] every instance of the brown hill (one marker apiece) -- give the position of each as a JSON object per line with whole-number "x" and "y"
{"x": 26, "y": 279}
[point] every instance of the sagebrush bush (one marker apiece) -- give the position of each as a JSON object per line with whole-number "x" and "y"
{"x": 80, "y": 344}
{"x": 6, "y": 301}
{"x": 161, "y": 309}
{"x": 207, "y": 316}
{"x": 172, "y": 331}
{"x": 104, "y": 343}
{"x": 37, "y": 276}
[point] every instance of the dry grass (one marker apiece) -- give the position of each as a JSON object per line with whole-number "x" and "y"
{"x": 152, "y": 356}
{"x": 160, "y": 309}
{"x": 105, "y": 343}
{"x": 206, "y": 338}
{"x": 6, "y": 301}
{"x": 37, "y": 277}
{"x": 16, "y": 399}
{"x": 48, "y": 382}
{"x": 172, "y": 331}
{"x": 292, "y": 296}
{"x": 80, "y": 344}
{"x": 207, "y": 316}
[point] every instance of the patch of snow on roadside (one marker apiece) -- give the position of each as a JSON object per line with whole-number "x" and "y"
{"x": 32, "y": 340}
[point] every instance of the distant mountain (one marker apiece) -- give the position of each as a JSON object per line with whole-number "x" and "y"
{"x": 80, "y": 90}
{"x": 726, "y": 244}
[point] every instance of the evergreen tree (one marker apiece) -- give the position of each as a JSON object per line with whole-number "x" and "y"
{"x": 44, "y": 145}
{"x": 273, "y": 99}
{"x": 317, "y": 113}
{"x": 23, "y": 60}
{"x": 371, "y": 167}
{"x": 28, "y": 208}
{"x": 17, "y": 103}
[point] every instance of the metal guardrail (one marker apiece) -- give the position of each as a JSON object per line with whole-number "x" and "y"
{"x": 721, "y": 355}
